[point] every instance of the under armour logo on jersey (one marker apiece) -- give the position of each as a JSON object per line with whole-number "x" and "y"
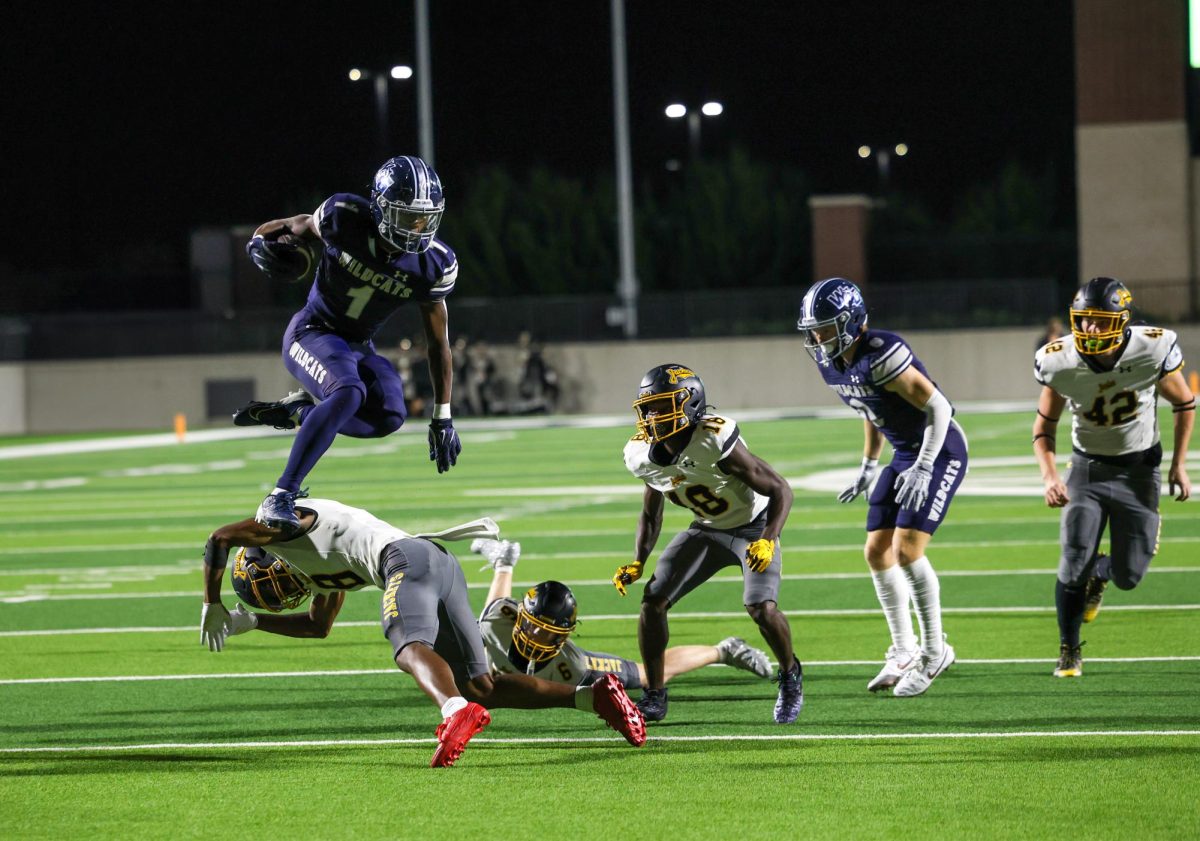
{"x": 1125, "y": 369}
{"x": 855, "y": 378}
{"x": 686, "y": 462}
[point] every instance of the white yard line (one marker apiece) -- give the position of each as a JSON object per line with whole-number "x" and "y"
{"x": 724, "y": 614}
{"x": 355, "y": 672}
{"x": 614, "y": 740}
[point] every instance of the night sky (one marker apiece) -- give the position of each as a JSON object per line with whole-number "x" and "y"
{"x": 127, "y": 126}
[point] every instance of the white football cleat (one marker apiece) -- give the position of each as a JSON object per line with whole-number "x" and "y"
{"x": 736, "y": 652}
{"x": 500, "y": 554}
{"x": 917, "y": 679}
{"x": 895, "y": 664}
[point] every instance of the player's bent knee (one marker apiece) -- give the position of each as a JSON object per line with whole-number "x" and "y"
{"x": 761, "y": 612}
{"x": 357, "y": 386}
{"x": 1126, "y": 579}
{"x": 655, "y": 604}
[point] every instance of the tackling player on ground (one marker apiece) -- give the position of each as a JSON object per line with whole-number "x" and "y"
{"x": 1110, "y": 373}
{"x": 376, "y": 255}
{"x": 700, "y": 462}
{"x": 877, "y": 374}
{"x": 425, "y": 612}
{"x": 532, "y": 636}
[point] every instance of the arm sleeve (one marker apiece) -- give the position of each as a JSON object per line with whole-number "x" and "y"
{"x": 938, "y": 412}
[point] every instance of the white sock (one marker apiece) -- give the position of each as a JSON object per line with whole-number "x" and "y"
{"x": 453, "y": 705}
{"x": 584, "y": 699}
{"x": 927, "y": 598}
{"x": 893, "y": 591}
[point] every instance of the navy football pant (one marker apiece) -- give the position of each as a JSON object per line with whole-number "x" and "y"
{"x": 949, "y": 468}
{"x": 360, "y": 391}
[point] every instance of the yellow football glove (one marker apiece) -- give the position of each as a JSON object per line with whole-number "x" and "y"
{"x": 627, "y": 575}
{"x": 759, "y": 555}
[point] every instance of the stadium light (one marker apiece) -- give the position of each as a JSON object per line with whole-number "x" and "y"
{"x": 399, "y": 71}
{"x": 883, "y": 161}
{"x": 676, "y": 110}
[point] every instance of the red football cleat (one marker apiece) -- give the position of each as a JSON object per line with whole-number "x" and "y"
{"x": 612, "y": 704}
{"x": 454, "y": 733}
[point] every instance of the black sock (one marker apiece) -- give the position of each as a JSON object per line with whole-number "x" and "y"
{"x": 1069, "y": 601}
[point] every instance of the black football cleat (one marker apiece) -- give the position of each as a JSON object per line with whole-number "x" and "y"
{"x": 1070, "y": 661}
{"x": 278, "y": 510}
{"x": 653, "y": 704}
{"x": 791, "y": 694}
{"x": 281, "y": 414}
{"x": 1092, "y": 597}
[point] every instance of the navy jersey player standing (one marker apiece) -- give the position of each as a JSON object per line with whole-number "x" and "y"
{"x": 877, "y": 374}
{"x": 376, "y": 255}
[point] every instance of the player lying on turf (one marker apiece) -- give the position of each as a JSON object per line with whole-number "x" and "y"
{"x": 531, "y": 636}
{"x": 425, "y": 612}
{"x": 1110, "y": 373}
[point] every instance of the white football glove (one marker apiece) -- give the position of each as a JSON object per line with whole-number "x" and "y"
{"x": 912, "y": 487}
{"x": 501, "y": 555}
{"x": 241, "y": 621}
{"x": 214, "y": 626}
{"x": 866, "y": 475}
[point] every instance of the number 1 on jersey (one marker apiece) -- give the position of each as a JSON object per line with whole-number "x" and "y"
{"x": 358, "y": 300}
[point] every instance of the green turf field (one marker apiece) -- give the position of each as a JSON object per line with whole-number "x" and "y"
{"x": 118, "y": 724}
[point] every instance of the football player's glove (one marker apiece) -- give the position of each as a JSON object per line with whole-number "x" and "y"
{"x": 286, "y": 258}
{"x": 912, "y": 488}
{"x": 866, "y": 474}
{"x": 626, "y": 575}
{"x": 241, "y": 621}
{"x": 214, "y": 626}
{"x": 444, "y": 443}
{"x": 759, "y": 555}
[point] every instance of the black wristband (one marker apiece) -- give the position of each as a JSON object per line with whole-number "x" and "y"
{"x": 1043, "y": 435}
{"x": 1185, "y": 407}
{"x": 1047, "y": 417}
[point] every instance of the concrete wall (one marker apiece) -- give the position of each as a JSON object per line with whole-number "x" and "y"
{"x": 598, "y": 378}
{"x": 12, "y": 408}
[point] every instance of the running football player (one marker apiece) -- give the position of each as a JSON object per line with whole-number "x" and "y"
{"x": 425, "y": 612}
{"x": 532, "y": 636}
{"x": 1110, "y": 373}
{"x": 375, "y": 255}
{"x": 700, "y": 462}
{"x": 877, "y": 374}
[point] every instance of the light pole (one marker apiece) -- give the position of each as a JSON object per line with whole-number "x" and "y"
{"x": 677, "y": 110}
{"x": 883, "y": 161}
{"x": 400, "y": 71}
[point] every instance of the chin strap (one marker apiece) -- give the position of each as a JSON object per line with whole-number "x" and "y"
{"x": 938, "y": 413}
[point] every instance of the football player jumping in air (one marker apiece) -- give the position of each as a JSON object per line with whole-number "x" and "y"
{"x": 425, "y": 612}
{"x": 531, "y": 636}
{"x": 375, "y": 255}
{"x": 1110, "y": 373}
{"x": 700, "y": 462}
{"x": 877, "y": 374}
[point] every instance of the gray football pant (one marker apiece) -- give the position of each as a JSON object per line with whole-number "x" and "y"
{"x": 425, "y": 600}
{"x": 697, "y": 554}
{"x": 1124, "y": 497}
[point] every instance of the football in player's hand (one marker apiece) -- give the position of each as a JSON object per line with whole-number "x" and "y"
{"x": 297, "y": 254}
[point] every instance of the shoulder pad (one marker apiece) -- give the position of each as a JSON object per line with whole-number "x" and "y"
{"x": 445, "y": 269}
{"x": 723, "y": 432}
{"x": 888, "y": 355}
{"x": 343, "y": 214}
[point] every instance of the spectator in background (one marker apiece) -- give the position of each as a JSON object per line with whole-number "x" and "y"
{"x": 414, "y": 396}
{"x": 1054, "y": 330}
{"x": 538, "y": 385}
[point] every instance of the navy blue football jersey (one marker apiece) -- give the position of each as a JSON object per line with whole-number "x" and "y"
{"x": 359, "y": 282}
{"x": 879, "y": 358}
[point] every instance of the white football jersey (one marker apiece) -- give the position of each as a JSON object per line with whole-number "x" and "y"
{"x": 694, "y": 480}
{"x": 570, "y": 666}
{"x": 1113, "y": 412}
{"x": 344, "y": 548}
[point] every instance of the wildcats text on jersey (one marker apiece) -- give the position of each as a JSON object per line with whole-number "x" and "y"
{"x": 309, "y": 362}
{"x": 391, "y": 284}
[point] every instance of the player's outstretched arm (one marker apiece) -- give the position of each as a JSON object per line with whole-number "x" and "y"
{"x": 1183, "y": 407}
{"x": 300, "y": 226}
{"x": 444, "y": 443}
{"x": 761, "y": 478}
{"x": 315, "y": 624}
{"x": 648, "y": 528}
{"x": 1045, "y": 429}
{"x": 215, "y": 621}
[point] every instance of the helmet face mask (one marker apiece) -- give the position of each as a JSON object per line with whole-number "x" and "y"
{"x": 832, "y": 317}
{"x": 1100, "y": 315}
{"x": 545, "y": 619}
{"x": 266, "y": 582}
{"x": 670, "y": 400}
{"x": 407, "y": 203}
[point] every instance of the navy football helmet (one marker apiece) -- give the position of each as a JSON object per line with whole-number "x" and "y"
{"x": 831, "y": 303}
{"x": 1100, "y": 315}
{"x": 670, "y": 399}
{"x": 545, "y": 618}
{"x": 266, "y": 582}
{"x": 407, "y": 203}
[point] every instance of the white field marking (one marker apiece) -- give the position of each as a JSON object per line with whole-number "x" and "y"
{"x": 1002, "y": 661}
{"x": 42, "y": 484}
{"x": 614, "y": 740}
{"x": 24, "y": 595}
{"x": 174, "y": 469}
{"x": 605, "y": 617}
